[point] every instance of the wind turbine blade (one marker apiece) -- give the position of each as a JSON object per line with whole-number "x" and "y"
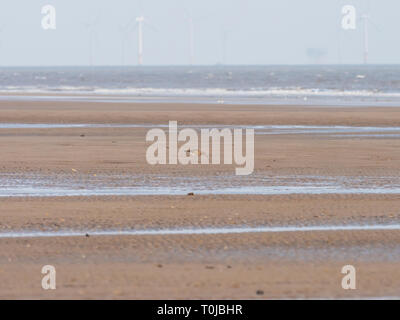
{"x": 368, "y": 18}
{"x": 151, "y": 26}
{"x": 131, "y": 24}
{"x": 369, "y": 5}
{"x": 187, "y": 15}
{"x": 375, "y": 25}
{"x": 128, "y": 27}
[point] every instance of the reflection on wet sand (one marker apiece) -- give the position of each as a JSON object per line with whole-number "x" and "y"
{"x": 56, "y": 185}
{"x": 202, "y": 231}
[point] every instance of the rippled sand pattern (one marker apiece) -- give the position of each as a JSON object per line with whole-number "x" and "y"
{"x": 76, "y": 192}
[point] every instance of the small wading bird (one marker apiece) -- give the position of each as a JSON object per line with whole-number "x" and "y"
{"x": 198, "y": 152}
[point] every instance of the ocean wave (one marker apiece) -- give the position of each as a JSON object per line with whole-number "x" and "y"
{"x": 204, "y": 92}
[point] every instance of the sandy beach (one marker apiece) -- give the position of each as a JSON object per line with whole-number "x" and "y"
{"x": 257, "y": 265}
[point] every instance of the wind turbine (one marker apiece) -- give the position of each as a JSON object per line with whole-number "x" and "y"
{"x": 189, "y": 17}
{"x": 365, "y": 18}
{"x": 187, "y": 13}
{"x": 1, "y": 31}
{"x": 125, "y": 31}
{"x": 191, "y": 21}
{"x": 191, "y": 39}
{"x": 91, "y": 27}
{"x": 140, "y": 21}
{"x": 225, "y": 38}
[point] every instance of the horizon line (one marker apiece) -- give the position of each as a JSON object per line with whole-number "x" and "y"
{"x": 198, "y": 65}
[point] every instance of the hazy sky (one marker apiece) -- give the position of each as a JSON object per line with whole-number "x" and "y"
{"x": 254, "y": 32}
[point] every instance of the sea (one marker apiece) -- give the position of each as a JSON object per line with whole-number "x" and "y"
{"x": 351, "y": 85}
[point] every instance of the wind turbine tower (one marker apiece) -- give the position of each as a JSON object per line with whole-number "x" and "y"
{"x": 191, "y": 39}
{"x": 365, "y": 18}
{"x": 91, "y": 28}
{"x": 140, "y": 21}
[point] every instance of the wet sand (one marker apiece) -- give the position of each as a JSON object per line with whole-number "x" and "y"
{"x": 282, "y": 265}
{"x": 55, "y": 111}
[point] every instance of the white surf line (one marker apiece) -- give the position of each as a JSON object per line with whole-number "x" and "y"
{"x": 75, "y": 125}
{"x": 196, "y": 231}
{"x": 40, "y": 192}
{"x": 281, "y": 129}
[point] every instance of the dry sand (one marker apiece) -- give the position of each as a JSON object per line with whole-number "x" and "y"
{"x": 282, "y": 265}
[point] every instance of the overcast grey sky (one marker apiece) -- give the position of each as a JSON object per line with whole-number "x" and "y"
{"x": 256, "y": 32}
